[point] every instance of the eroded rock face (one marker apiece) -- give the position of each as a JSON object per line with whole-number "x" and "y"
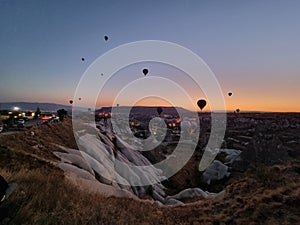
{"x": 75, "y": 170}
{"x": 108, "y": 160}
{"x": 232, "y": 155}
{"x": 191, "y": 193}
{"x": 76, "y": 160}
{"x": 216, "y": 171}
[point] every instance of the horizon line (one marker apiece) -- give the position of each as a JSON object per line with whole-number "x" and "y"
{"x": 150, "y": 106}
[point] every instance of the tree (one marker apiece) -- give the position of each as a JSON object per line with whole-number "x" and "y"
{"x": 37, "y": 113}
{"x": 62, "y": 114}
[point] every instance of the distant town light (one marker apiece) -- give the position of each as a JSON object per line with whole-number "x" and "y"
{"x": 45, "y": 117}
{"x": 16, "y": 108}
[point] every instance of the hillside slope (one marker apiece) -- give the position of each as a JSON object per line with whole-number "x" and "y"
{"x": 44, "y": 196}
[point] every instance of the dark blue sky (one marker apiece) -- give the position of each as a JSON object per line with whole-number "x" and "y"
{"x": 252, "y": 46}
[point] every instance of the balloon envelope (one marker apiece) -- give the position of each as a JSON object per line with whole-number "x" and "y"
{"x": 105, "y": 38}
{"x": 201, "y": 103}
{"x": 229, "y": 93}
{"x": 159, "y": 110}
{"x": 145, "y": 71}
{"x": 82, "y": 59}
{"x": 71, "y": 102}
{"x": 237, "y": 110}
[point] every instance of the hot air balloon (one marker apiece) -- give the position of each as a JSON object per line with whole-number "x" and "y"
{"x": 237, "y": 110}
{"x": 229, "y": 93}
{"x": 82, "y": 59}
{"x": 106, "y": 38}
{"x": 159, "y": 110}
{"x": 201, "y": 103}
{"x": 145, "y": 71}
{"x": 71, "y": 102}
{"x": 79, "y": 99}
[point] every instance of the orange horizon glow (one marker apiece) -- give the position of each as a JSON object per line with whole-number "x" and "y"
{"x": 229, "y": 108}
{"x": 233, "y": 103}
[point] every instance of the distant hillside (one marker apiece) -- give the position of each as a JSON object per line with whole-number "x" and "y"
{"x": 147, "y": 110}
{"x": 32, "y": 106}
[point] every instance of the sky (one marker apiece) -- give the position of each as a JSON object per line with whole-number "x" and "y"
{"x": 252, "y": 47}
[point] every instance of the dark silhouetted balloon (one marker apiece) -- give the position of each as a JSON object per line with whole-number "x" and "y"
{"x": 237, "y": 110}
{"x": 145, "y": 71}
{"x": 229, "y": 93}
{"x": 71, "y": 102}
{"x": 201, "y": 103}
{"x": 82, "y": 59}
{"x": 79, "y": 99}
{"x": 159, "y": 110}
{"x": 106, "y": 38}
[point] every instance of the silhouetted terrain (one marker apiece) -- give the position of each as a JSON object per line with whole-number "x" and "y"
{"x": 262, "y": 185}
